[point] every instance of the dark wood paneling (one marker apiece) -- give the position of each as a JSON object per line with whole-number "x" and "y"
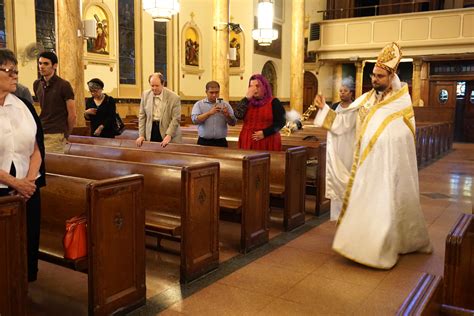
{"x": 13, "y": 269}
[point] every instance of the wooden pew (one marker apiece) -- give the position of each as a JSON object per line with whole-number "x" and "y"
{"x": 459, "y": 263}
{"x": 316, "y": 157}
{"x": 425, "y": 298}
{"x": 243, "y": 185}
{"x": 13, "y": 266}
{"x": 453, "y": 294}
{"x": 179, "y": 201}
{"x": 287, "y": 169}
{"x": 115, "y": 263}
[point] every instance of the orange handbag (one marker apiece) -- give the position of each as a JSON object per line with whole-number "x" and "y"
{"x": 75, "y": 238}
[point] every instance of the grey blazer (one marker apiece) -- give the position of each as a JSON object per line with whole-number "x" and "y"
{"x": 170, "y": 115}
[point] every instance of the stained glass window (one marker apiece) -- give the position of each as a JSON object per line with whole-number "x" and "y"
{"x": 45, "y": 24}
{"x": 126, "y": 41}
{"x": 160, "y": 47}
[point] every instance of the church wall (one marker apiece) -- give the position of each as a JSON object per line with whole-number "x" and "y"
{"x": 148, "y": 46}
{"x": 238, "y": 83}
{"x": 192, "y": 86}
{"x": 419, "y": 34}
{"x": 282, "y": 65}
{"x": 25, "y": 33}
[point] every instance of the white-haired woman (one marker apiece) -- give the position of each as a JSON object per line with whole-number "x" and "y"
{"x": 21, "y": 153}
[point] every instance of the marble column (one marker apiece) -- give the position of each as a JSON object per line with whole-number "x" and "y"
{"x": 359, "y": 78}
{"x": 71, "y": 51}
{"x": 297, "y": 55}
{"x": 220, "y": 47}
{"x": 416, "y": 82}
{"x": 337, "y": 74}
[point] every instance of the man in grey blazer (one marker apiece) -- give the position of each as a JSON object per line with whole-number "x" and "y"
{"x": 160, "y": 112}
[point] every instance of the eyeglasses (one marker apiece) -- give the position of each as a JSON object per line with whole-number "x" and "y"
{"x": 377, "y": 76}
{"x": 10, "y": 71}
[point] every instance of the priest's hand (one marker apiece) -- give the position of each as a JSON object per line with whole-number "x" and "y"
{"x": 319, "y": 101}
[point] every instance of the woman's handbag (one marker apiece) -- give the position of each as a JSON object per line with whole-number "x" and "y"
{"x": 119, "y": 125}
{"x": 75, "y": 238}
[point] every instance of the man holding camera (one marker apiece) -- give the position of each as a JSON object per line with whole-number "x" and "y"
{"x": 212, "y": 115}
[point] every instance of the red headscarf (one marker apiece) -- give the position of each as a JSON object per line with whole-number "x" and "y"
{"x": 267, "y": 94}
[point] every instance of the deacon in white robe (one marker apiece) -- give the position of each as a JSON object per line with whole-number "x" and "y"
{"x": 339, "y": 151}
{"x": 381, "y": 215}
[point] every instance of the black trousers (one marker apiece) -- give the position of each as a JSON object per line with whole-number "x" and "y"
{"x": 217, "y": 142}
{"x": 155, "y": 132}
{"x": 33, "y": 220}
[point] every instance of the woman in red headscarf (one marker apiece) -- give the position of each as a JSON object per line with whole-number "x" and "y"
{"x": 263, "y": 117}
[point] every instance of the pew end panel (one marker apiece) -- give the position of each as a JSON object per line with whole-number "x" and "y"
{"x": 425, "y": 298}
{"x": 116, "y": 238}
{"x": 459, "y": 263}
{"x": 63, "y": 198}
{"x": 322, "y": 204}
{"x": 13, "y": 264}
{"x": 256, "y": 203}
{"x": 116, "y": 256}
{"x": 295, "y": 187}
{"x": 200, "y": 221}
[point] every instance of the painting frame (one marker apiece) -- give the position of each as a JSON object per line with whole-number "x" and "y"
{"x": 103, "y": 51}
{"x": 191, "y": 42}
{"x": 237, "y": 40}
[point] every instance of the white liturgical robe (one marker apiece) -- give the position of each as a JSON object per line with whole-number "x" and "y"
{"x": 339, "y": 152}
{"x": 381, "y": 215}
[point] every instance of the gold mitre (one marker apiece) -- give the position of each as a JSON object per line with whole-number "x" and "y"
{"x": 389, "y": 57}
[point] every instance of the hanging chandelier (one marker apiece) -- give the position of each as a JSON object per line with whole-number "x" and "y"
{"x": 161, "y": 10}
{"x": 265, "y": 33}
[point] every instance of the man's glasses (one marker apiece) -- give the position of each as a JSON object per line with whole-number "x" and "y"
{"x": 10, "y": 71}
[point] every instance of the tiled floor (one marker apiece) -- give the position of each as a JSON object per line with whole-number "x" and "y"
{"x": 303, "y": 276}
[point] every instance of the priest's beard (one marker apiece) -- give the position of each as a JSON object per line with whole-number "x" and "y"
{"x": 380, "y": 87}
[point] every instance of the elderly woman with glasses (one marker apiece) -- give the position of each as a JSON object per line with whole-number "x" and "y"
{"x": 21, "y": 153}
{"x": 100, "y": 110}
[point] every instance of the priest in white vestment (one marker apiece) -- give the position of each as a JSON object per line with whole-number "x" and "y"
{"x": 381, "y": 215}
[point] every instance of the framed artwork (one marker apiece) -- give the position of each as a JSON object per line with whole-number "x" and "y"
{"x": 274, "y": 50}
{"x": 191, "y": 59}
{"x": 100, "y": 44}
{"x": 100, "y": 50}
{"x": 237, "y": 41}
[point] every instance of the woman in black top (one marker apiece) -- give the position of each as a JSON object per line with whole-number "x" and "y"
{"x": 100, "y": 110}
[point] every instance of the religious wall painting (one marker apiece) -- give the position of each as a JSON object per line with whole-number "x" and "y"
{"x": 191, "y": 48}
{"x": 274, "y": 49}
{"x": 237, "y": 42}
{"x": 191, "y": 60}
{"x": 269, "y": 72}
{"x": 100, "y": 44}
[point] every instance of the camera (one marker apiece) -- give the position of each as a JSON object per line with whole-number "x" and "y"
{"x": 220, "y": 104}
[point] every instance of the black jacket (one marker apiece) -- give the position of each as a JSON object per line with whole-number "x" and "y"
{"x": 41, "y": 181}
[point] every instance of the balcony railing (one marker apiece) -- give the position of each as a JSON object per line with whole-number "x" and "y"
{"x": 380, "y": 9}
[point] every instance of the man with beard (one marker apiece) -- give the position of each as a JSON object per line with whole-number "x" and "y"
{"x": 381, "y": 215}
